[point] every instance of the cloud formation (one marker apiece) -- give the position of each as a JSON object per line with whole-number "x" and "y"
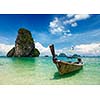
{"x": 74, "y": 18}
{"x": 61, "y": 25}
{"x": 4, "y": 49}
{"x": 83, "y": 38}
{"x": 88, "y": 49}
{"x": 56, "y": 26}
{"x": 82, "y": 49}
{"x": 43, "y": 50}
{"x": 46, "y": 50}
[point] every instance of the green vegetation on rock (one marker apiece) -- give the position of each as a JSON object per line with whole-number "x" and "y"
{"x": 62, "y": 55}
{"x": 24, "y": 45}
{"x": 35, "y": 53}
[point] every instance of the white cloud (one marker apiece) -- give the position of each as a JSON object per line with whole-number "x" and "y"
{"x": 60, "y": 24}
{"x": 83, "y": 38}
{"x": 82, "y": 49}
{"x": 70, "y": 15}
{"x": 81, "y": 16}
{"x": 74, "y": 18}
{"x": 62, "y": 50}
{"x": 88, "y": 49}
{"x": 56, "y": 27}
{"x": 54, "y": 23}
{"x": 69, "y": 34}
{"x": 78, "y": 17}
{"x": 92, "y": 49}
{"x": 43, "y": 50}
{"x": 74, "y": 24}
{"x": 46, "y": 50}
{"x": 68, "y": 30}
{"x": 57, "y": 30}
{"x": 5, "y": 48}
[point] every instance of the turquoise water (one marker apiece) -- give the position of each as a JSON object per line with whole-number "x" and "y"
{"x": 30, "y": 71}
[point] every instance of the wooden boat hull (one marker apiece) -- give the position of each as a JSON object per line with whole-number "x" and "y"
{"x": 64, "y": 67}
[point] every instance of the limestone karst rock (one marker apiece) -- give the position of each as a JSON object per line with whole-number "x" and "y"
{"x": 24, "y": 45}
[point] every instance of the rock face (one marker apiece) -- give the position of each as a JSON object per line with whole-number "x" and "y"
{"x": 24, "y": 45}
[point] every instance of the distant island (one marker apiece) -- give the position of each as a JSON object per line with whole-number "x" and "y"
{"x": 73, "y": 56}
{"x": 62, "y": 55}
{"x": 46, "y": 56}
{"x": 24, "y": 45}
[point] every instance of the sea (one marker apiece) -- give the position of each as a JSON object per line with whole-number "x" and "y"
{"x": 42, "y": 71}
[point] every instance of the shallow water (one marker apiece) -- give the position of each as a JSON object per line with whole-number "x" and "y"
{"x": 30, "y": 71}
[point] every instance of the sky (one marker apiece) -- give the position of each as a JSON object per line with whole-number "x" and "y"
{"x": 65, "y": 31}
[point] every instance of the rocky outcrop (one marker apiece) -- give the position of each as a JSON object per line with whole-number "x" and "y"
{"x": 76, "y": 56}
{"x": 62, "y": 55}
{"x": 24, "y": 45}
{"x": 11, "y": 52}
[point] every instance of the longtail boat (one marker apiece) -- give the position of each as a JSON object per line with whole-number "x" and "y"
{"x": 62, "y": 66}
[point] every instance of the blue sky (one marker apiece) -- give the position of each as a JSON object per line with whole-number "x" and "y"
{"x": 64, "y": 30}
